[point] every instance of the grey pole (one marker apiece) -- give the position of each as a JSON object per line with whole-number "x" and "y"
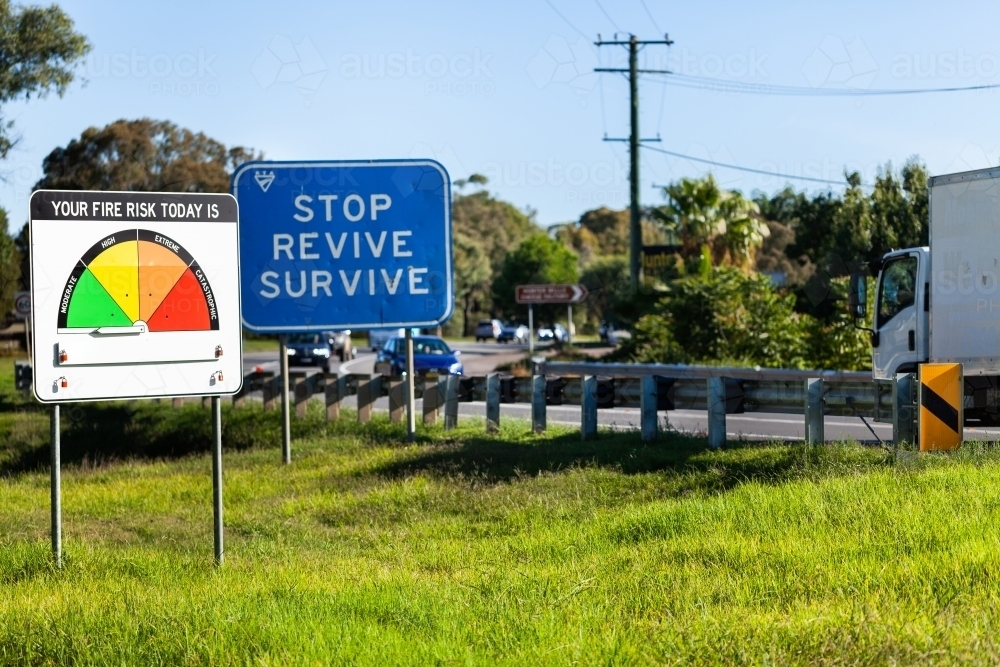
{"x": 451, "y": 402}
{"x": 588, "y": 407}
{"x": 217, "y": 476}
{"x": 286, "y": 422}
{"x": 903, "y": 409}
{"x": 538, "y": 403}
{"x": 411, "y": 401}
{"x": 647, "y": 403}
{"x": 716, "y": 412}
{"x": 814, "y": 412}
{"x": 531, "y": 330}
{"x": 56, "y": 490}
{"x": 492, "y": 403}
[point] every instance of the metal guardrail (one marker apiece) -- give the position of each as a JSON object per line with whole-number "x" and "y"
{"x": 684, "y": 372}
{"x": 596, "y": 386}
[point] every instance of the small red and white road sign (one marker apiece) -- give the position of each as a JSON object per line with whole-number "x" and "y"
{"x": 22, "y": 305}
{"x": 550, "y": 293}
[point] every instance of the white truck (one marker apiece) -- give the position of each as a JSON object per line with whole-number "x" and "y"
{"x": 942, "y": 303}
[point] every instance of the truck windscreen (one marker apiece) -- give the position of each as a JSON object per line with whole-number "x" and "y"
{"x": 898, "y": 291}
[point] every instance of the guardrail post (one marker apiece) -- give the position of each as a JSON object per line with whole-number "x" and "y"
{"x": 303, "y": 390}
{"x": 369, "y": 389}
{"x": 647, "y": 408}
{"x": 588, "y": 407}
{"x": 716, "y": 412}
{"x": 334, "y": 392}
{"x": 814, "y": 411}
{"x": 430, "y": 403}
{"x": 177, "y": 402}
{"x": 270, "y": 391}
{"x": 397, "y": 400}
{"x": 538, "y": 403}
{"x": 904, "y": 399}
{"x": 492, "y": 402}
{"x": 451, "y": 402}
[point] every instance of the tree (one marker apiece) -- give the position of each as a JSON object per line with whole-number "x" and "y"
{"x": 38, "y": 52}
{"x": 142, "y": 155}
{"x": 712, "y": 224}
{"x": 10, "y": 268}
{"x": 472, "y": 276}
{"x": 495, "y": 227}
{"x": 537, "y": 260}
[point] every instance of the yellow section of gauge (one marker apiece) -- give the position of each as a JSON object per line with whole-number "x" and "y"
{"x": 117, "y": 269}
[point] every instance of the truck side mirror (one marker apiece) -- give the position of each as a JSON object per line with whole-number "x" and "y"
{"x": 858, "y": 298}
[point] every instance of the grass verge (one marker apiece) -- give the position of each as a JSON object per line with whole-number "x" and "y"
{"x": 506, "y": 549}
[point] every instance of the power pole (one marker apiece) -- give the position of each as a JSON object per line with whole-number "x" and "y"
{"x": 635, "y": 210}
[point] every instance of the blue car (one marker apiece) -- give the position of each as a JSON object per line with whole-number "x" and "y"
{"x": 430, "y": 355}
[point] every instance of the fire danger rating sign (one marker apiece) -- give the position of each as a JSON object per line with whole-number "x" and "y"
{"x": 550, "y": 293}
{"x": 940, "y": 406}
{"x": 134, "y": 295}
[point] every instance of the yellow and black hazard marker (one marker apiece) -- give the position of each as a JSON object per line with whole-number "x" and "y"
{"x": 940, "y": 402}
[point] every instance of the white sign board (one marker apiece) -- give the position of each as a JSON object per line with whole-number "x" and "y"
{"x": 22, "y": 305}
{"x": 134, "y": 295}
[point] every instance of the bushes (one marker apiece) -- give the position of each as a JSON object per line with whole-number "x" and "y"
{"x": 732, "y": 317}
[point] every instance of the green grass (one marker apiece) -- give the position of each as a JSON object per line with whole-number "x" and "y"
{"x": 467, "y": 548}
{"x": 260, "y": 345}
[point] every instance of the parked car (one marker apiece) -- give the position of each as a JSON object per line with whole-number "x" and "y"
{"x": 488, "y": 330}
{"x": 311, "y": 349}
{"x": 430, "y": 355}
{"x": 340, "y": 342}
{"x": 513, "y": 333}
{"x": 556, "y": 332}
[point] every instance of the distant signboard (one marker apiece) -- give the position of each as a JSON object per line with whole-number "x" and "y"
{"x": 550, "y": 293}
{"x": 22, "y": 305}
{"x": 134, "y": 294}
{"x": 656, "y": 258}
{"x": 345, "y": 245}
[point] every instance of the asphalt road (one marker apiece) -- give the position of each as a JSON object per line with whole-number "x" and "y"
{"x": 481, "y": 358}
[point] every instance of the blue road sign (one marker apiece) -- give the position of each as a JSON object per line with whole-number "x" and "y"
{"x": 344, "y": 245}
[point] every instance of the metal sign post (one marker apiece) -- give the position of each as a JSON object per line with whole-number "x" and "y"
{"x": 286, "y": 418}
{"x": 217, "y": 476}
{"x": 569, "y": 324}
{"x": 411, "y": 401}
{"x": 56, "y": 497}
{"x": 531, "y": 330}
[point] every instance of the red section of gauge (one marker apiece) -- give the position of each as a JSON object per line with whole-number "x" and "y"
{"x": 183, "y": 309}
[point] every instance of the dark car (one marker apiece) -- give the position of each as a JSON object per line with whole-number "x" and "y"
{"x": 309, "y": 350}
{"x": 430, "y": 355}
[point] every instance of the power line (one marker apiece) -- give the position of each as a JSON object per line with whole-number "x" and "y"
{"x": 650, "y": 15}
{"x": 739, "y": 168}
{"x": 747, "y": 88}
{"x": 568, "y": 22}
{"x": 608, "y": 16}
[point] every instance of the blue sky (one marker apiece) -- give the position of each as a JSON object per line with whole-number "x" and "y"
{"x": 506, "y": 89}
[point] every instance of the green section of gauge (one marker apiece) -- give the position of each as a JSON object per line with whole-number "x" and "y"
{"x": 92, "y": 306}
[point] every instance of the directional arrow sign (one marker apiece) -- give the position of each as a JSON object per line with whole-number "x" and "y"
{"x": 551, "y": 293}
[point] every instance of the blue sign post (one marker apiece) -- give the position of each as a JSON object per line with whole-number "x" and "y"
{"x": 344, "y": 245}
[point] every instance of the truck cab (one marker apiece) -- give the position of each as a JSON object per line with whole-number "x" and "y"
{"x": 901, "y": 317}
